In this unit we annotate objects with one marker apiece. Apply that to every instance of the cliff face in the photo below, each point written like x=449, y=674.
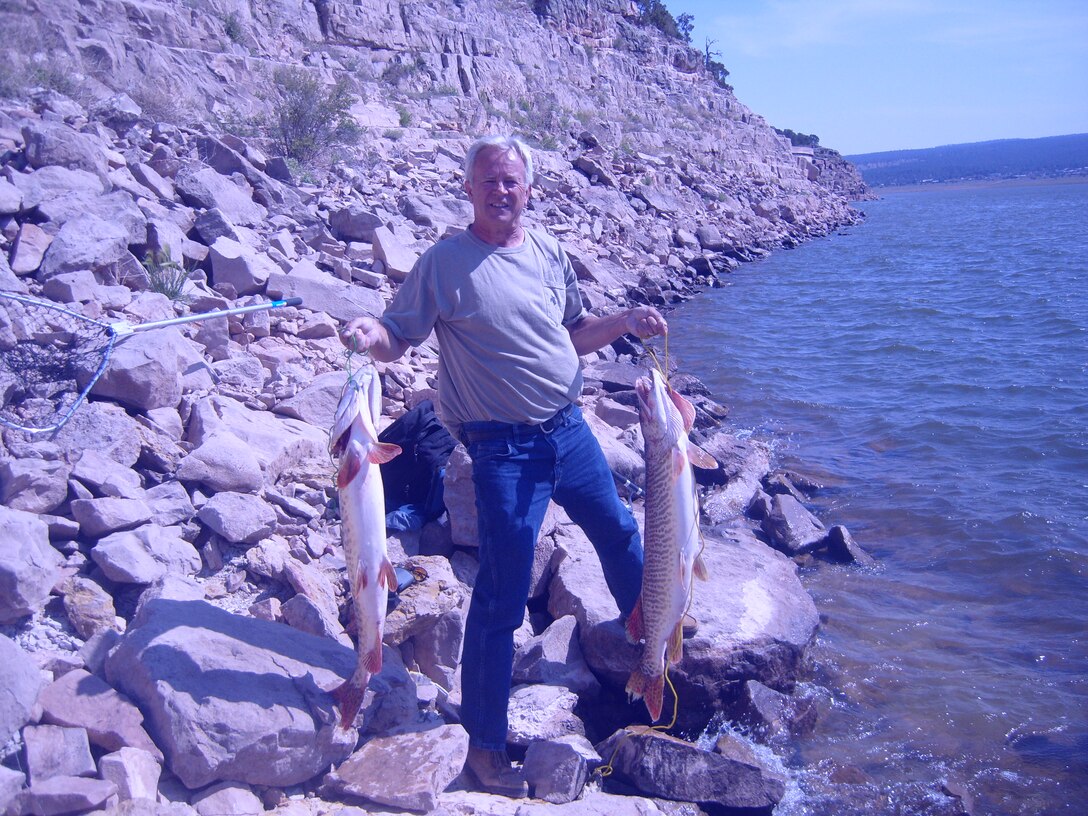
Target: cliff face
x=552, y=70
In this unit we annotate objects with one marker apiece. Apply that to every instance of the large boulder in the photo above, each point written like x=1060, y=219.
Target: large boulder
x=21, y=682
x=204, y=187
x=755, y=621
x=50, y=143
x=144, y=371
x=29, y=566
x=231, y=698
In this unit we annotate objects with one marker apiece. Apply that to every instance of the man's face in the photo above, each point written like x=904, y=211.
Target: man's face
x=497, y=189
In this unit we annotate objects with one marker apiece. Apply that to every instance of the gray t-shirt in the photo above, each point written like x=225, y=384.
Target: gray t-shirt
x=500, y=315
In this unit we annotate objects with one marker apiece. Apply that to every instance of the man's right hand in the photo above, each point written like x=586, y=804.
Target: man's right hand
x=361, y=333
x=367, y=334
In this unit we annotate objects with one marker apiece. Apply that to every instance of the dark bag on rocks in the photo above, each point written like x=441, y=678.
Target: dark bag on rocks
x=415, y=477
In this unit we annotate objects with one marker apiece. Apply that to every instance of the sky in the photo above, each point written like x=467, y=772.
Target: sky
x=873, y=75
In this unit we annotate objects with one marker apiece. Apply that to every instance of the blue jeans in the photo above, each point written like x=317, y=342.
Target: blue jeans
x=516, y=470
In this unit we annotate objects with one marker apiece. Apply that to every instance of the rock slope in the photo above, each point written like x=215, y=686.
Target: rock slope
x=173, y=601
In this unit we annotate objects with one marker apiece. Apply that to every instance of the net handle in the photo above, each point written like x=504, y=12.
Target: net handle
x=124, y=329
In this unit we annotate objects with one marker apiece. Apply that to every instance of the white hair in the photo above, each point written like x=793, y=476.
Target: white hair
x=505, y=144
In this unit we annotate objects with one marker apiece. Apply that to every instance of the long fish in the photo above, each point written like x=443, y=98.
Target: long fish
x=671, y=541
x=353, y=441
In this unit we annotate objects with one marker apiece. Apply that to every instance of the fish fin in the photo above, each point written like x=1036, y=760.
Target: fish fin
x=686, y=409
x=699, y=570
x=676, y=644
x=634, y=624
x=349, y=697
x=350, y=465
x=650, y=689
x=364, y=577
x=387, y=576
x=700, y=458
x=374, y=658
x=382, y=452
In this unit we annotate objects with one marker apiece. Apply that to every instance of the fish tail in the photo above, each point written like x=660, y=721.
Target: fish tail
x=651, y=689
x=634, y=625
x=349, y=697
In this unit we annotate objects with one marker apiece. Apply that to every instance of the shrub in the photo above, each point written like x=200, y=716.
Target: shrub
x=309, y=118
x=165, y=275
x=232, y=26
x=405, y=116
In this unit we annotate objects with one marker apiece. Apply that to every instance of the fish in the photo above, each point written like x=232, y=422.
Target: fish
x=671, y=541
x=353, y=442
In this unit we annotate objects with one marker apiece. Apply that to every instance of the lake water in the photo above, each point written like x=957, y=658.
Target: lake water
x=930, y=367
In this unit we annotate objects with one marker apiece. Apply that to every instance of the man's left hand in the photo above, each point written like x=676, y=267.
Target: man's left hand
x=645, y=321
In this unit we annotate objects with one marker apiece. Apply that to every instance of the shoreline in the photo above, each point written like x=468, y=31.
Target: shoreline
x=978, y=184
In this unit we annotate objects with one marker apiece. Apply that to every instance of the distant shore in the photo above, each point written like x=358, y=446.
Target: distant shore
x=975, y=184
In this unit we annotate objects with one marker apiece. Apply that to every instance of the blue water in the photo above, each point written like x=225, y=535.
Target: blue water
x=930, y=367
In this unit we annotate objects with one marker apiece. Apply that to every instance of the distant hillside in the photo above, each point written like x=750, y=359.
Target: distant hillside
x=1049, y=157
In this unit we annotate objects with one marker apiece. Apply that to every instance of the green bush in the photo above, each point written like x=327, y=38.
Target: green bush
x=232, y=27
x=165, y=275
x=309, y=118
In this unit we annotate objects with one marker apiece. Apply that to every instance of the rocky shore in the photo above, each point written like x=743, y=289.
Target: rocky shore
x=173, y=607
x=174, y=601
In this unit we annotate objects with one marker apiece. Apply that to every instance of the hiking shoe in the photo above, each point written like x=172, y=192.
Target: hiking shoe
x=492, y=772
x=688, y=626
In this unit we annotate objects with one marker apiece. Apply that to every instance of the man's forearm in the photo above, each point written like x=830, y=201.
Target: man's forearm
x=592, y=332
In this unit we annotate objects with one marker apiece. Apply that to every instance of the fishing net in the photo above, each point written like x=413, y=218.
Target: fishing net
x=50, y=359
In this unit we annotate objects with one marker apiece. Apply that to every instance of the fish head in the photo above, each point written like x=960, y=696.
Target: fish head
x=352, y=402
x=658, y=413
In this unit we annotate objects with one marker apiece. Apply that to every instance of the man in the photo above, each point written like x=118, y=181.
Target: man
x=504, y=303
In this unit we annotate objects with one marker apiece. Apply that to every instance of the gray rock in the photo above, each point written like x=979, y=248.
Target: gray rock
x=239, y=266
x=557, y=770
x=773, y=716
x=53, y=750
x=65, y=794
x=239, y=517
x=11, y=198
x=106, y=476
x=29, y=249
x=791, y=528
x=555, y=658
x=223, y=462
x=440, y=211
x=144, y=555
x=33, y=485
x=48, y=143
x=144, y=371
x=29, y=566
x=88, y=606
x=710, y=237
x=541, y=713
x=322, y=292
x=208, y=189
x=169, y=503
x=135, y=773
x=233, y=698
x=315, y=404
x=88, y=242
x=841, y=546
x=115, y=208
x=82, y=700
x=119, y=112
x=146, y=175
x=425, y=762
x=21, y=681
x=11, y=782
x=99, y=517
x=354, y=223
x=71, y=287
x=279, y=444
x=659, y=765
x=227, y=799
x=398, y=259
